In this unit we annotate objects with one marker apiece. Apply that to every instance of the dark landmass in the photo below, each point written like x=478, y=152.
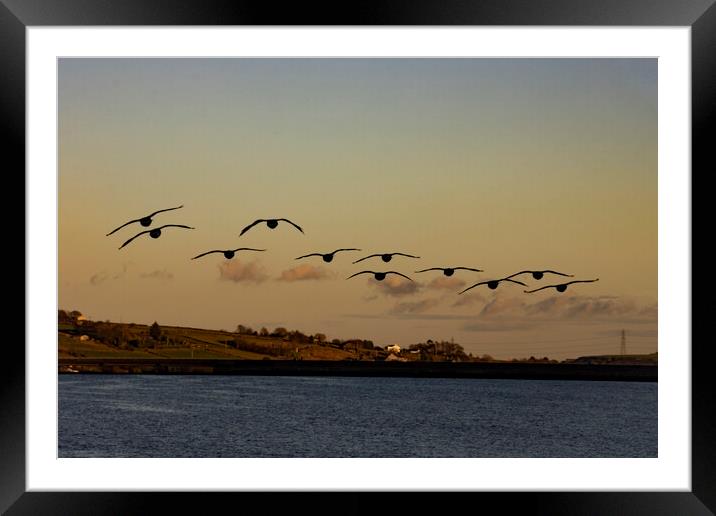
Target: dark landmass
x=108, y=347
x=534, y=371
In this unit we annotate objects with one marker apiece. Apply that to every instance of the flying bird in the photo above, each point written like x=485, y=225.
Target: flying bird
x=144, y=221
x=327, y=257
x=271, y=223
x=386, y=257
x=492, y=284
x=562, y=286
x=538, y=274
x=228, y=254
x=380, y=276
x=155, y=233
x=449, y=271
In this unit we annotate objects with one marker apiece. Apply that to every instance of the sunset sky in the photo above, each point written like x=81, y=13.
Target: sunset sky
x=497, y=164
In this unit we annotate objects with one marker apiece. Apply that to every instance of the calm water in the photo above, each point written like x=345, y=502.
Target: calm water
x=263, y=416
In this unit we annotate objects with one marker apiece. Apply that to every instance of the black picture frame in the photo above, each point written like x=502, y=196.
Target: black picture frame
x=700, y=15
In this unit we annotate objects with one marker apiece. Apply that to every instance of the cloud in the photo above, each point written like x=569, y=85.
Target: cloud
x=567, y=307
x=469, y=299
x=99, y=278
x=416, y=307
x=574, y=307
x=158, y=274
x=103, y=275
x=235, y=270
x=500, y=305
x=304, y=272
x=444, y=283
x=395, y=286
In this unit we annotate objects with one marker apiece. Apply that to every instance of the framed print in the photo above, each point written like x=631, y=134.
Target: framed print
x=376, y=138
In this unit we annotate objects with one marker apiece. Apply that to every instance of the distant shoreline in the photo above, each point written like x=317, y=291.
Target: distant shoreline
x=497, y=370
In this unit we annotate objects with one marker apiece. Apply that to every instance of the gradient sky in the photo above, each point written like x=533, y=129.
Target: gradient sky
x=497, y=164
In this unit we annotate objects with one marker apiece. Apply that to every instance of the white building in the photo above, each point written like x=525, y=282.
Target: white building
x=393, y=349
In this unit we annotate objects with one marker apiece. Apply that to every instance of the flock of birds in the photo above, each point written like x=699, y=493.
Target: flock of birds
x=328, y=257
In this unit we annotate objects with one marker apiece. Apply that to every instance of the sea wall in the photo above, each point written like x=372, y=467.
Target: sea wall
x=643, y=373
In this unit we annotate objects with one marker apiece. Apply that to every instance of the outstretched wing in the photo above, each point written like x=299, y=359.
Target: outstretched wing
x=513, y=281
x=174, y=226
x=348, y=249
x=247, y=249
x=582, y=281
x=166, y=209
x=251, y=225
x=135, y=236
x=403, y=275
x=208, y=252
x=125, y=224
x=294, y=225
x=467, y=269
x=475, y=285
x=560, y=273
x=518, y=273
x=371, y=256
x=307, y=255
x=541, y=288
x=403, y=254
x=361, y=272
x=431, y=269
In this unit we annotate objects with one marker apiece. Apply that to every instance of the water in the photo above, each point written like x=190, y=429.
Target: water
x=265, y=416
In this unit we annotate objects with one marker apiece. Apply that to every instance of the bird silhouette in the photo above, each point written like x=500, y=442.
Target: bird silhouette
x=380, y=276
x=271, y=223
x=449, y=271
x=562, y=286
x=386, y=257
x=156, y=232
x=144, y=221
x=327, y=257
x=492, y=284
x=229, y=253
x=539, y=274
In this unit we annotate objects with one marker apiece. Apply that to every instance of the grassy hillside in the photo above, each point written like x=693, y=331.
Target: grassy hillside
x=94, y=340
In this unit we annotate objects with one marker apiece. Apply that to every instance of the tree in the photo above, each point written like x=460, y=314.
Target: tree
x=264, y=332
x=244, y=330
x=155, y=331
x=320, y=338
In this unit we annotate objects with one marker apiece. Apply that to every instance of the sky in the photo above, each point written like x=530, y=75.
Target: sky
x=501, y=165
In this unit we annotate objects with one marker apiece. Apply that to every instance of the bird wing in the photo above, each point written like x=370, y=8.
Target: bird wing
x=294, y=225
x=475, y=285
x=251, y=225
x=135, y=236
x=347, y=249
x=399, y=274
x=518, y=273
x=513, y=281
x=467, y=269
x=559, y=273
x=582, y=281
x=166, y=209
x=174, y=226
x=125, y=224
x=208, y=252
x=361, y=272
x=371, y=256
x=307, y=255
x=432, y=269
x=541, y=288
x=246, y=249
x=403, y=254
